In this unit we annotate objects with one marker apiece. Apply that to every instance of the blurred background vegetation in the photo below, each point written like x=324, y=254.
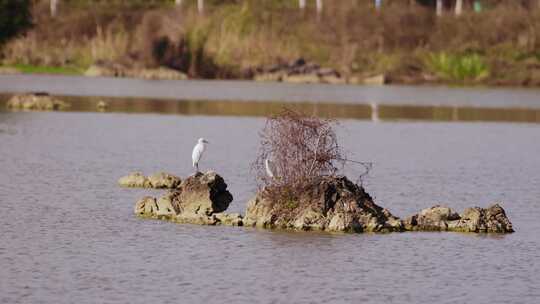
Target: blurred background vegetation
x=405, y=40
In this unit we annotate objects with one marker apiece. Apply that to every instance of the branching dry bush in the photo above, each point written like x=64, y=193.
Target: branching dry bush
x=300, y=150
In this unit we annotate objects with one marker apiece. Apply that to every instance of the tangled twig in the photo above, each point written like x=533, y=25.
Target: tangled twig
x=302, y=150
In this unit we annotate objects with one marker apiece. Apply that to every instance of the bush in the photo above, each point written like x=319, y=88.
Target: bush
x=15, y=18
x=299, y=150
x=460, y=68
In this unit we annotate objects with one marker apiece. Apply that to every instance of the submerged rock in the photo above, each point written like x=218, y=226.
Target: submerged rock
x=199, y=199
x=38, y=101
x=159, y=180
x=333, y=204
x=439, y=218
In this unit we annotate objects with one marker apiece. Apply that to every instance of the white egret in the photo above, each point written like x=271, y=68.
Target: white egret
x=269, y=168
x=198, y=151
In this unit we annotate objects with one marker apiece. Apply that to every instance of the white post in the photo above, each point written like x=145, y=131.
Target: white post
x=319, y=6
x=302, y=4
x=374, y=112
x=54, y=7
x=459, y=7
x=439, y=7
x=200, y=6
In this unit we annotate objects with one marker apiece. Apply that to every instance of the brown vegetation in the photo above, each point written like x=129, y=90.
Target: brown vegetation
x=298, y=151
x=230, y=39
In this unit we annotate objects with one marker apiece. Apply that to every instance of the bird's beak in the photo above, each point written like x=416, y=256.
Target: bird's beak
x=205, y=141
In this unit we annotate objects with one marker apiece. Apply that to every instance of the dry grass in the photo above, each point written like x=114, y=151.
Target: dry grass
x=232, y=37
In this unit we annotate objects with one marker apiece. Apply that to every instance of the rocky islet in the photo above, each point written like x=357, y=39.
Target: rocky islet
x=334, y=204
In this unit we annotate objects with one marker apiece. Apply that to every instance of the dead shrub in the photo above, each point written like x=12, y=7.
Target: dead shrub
x=299, y=151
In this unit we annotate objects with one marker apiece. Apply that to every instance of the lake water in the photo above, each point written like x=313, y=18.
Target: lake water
x=68, y=233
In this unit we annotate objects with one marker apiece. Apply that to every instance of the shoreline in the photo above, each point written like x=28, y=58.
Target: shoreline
x=252, y=91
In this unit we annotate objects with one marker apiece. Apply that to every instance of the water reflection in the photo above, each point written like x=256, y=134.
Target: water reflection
x=370, y=111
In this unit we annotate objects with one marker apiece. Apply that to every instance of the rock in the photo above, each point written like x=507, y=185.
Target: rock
x=277, y=76
x=110, y=69
x=332, y=79
x=165, y=207
x=229, y=219
x=333, y=204
x=102, y=106
x=310, y=219
x=259, y=213
x=298, y=71
x=159, y=180
x=160, y=73
x=164, y=180
x=492, y=219
x=302, y=78
x=196, y=219
x=9, y=71
x=434, y=218
x=146, y=206
x=100, y=71
x=37, y=101
x=375, y=80
x=134, y=180
x=202, y=194
x=199, y=199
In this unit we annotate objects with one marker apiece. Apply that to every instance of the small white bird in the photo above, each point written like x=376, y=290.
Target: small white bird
x=198, y=151
x=269, y=168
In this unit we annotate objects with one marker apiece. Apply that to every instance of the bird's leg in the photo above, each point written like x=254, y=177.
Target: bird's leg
x=197, y=168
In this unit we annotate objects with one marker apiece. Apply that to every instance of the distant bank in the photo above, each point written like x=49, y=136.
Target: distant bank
x=231, y=90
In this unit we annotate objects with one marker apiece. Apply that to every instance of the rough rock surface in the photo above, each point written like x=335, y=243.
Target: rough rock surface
x=164, y=180
x=38, y=101
x=439, y=218
x=370, y=80
x=336, y=204
x=159, y=180
x=298, y=71
x=102, y=106
x=333, y=204
x=108, y=69
x=134, y=180
x=200, y=199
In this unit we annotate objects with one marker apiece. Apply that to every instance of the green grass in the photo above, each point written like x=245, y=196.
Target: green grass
x=457, y=68
x=31, y=69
